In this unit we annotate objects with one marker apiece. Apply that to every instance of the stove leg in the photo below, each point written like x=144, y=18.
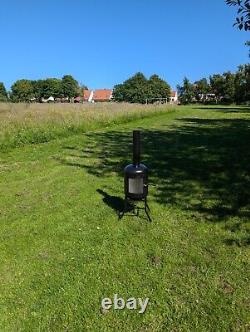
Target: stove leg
x=147, y=209
x=135, y=209
x=146, y=204
x=149, y=218
x=137, y=213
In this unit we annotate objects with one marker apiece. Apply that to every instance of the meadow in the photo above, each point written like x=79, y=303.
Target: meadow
x=22, y=123
x=63, y=249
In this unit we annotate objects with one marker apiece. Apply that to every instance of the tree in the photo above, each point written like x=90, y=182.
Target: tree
x=243, y=18
x=133, y=90
x=200, y=89
x=38, y=89
x=22, y=90
x=50, y=87
x=242, y=84
x=83, y=87
x=186, y=92
x=157, y=88
x=138, y=89
x=3, y=93
x=223, y=86
x=70, y=87
x=248, y=44
x=119, y=93
x=217, y=86
x=229, y=88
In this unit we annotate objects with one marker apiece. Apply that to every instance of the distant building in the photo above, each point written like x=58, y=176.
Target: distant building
x=173, y=97
x=102, y=95
x=88, y=95
x=99, y=95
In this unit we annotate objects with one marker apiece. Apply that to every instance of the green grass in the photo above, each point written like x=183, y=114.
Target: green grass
x=62, y=248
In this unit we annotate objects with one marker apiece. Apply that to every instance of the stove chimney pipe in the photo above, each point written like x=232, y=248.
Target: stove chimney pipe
x=136, y=147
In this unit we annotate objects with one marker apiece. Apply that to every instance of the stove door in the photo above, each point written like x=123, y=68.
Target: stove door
x=135, y=185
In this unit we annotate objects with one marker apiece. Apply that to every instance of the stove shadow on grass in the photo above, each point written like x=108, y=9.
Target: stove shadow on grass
x=116, y=203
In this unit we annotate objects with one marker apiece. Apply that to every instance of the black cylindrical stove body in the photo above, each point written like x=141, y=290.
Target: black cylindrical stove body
x=136, y=181
x=136, y=174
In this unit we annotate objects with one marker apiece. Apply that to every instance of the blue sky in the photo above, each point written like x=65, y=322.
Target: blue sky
x=103, y=42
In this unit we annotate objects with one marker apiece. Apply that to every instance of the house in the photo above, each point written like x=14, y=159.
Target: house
x=88, y=95
x=173, y=97
x=99, y=95
x=102, y=95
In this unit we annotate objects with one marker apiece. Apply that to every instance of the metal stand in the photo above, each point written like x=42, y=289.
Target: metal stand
x=128, y=207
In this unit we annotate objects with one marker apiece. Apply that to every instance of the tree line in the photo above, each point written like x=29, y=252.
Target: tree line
x=219, y=88
x=35, y=90
x=137, y=89
x=226, y=88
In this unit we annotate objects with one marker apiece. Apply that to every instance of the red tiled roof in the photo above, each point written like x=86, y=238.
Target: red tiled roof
x=86, y=94
x=102, y=94
x=173, y=93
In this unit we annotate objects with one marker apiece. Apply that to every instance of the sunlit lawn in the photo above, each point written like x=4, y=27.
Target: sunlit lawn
x=63, y=248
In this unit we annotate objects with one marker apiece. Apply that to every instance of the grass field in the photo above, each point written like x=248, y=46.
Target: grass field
x=63, y=248
x=22, y=124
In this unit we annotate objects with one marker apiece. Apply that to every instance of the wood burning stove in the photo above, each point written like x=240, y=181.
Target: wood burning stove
x=136, y=180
